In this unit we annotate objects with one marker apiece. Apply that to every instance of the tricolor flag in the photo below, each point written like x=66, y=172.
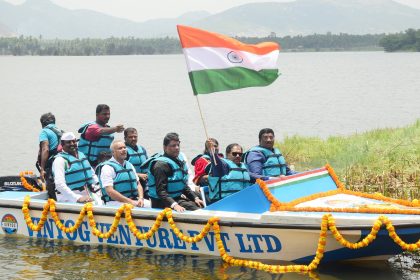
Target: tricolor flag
x=216, y=62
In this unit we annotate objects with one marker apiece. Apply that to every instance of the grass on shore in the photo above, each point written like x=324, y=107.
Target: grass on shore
x=382, y=160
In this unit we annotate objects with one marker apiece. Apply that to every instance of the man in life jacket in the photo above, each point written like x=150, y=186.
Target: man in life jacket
x=227, y=175
x=118, y=179
x=74, y=178
x=97, y=136
x=265, y=161
x=168, y=179
x=136, y=154
x=49, y=146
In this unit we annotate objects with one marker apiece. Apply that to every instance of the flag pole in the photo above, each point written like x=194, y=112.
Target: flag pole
x=205, y=128
x=202, y=118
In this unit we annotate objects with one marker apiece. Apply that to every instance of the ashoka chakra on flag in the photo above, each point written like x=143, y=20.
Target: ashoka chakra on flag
x=217, y=63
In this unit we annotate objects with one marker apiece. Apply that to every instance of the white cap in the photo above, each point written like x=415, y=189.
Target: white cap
x=68, y=136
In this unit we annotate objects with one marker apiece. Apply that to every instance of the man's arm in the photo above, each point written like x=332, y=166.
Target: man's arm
x=45, y=152
x=219, y=168
x=290, y=171
x=109, y=130
x=60, y=181
x=255, y=162
x=162, y=171
x=94, y=131
x=140, y=198
x=107, y=179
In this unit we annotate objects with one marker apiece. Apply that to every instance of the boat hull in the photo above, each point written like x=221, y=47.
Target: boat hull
x=247, y=236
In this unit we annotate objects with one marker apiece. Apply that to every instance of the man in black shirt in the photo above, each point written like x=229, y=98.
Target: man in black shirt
x=168, y=179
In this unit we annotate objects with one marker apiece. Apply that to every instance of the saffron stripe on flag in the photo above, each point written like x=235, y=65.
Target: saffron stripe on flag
x=192, y=38
x=207, y=81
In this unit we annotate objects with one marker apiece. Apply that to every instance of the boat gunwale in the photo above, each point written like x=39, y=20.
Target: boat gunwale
x=203, y=220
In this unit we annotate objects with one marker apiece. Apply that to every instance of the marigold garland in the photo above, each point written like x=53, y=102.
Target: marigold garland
x=25, y=183
x=276, y=205
x=328, y=223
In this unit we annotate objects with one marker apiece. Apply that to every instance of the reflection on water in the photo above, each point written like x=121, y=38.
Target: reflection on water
x=24, y=258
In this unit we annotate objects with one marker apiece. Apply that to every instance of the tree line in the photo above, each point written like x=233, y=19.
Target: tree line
x=403, y=41
x=87, y=47
x=135, y=46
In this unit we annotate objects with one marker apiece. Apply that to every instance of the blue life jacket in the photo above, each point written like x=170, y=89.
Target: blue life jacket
x=124, y=182
x=235, y=180
x=274, y=165
x=137, y=158
x=79, y=172
x=92, y=148
x=177, y=182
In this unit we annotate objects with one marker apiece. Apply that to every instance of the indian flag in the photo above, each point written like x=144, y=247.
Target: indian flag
x=216, y=62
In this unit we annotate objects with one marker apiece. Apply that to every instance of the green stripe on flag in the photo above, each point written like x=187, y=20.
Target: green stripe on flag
x=207, y=81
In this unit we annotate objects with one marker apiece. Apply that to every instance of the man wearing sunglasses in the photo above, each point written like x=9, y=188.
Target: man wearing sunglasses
x=168, y=178
x=74, y=178
x=227, y=175
x=265, y=161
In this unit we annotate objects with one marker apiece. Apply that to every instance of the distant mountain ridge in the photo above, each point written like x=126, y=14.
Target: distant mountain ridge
x=42, y=17
x=5, y=31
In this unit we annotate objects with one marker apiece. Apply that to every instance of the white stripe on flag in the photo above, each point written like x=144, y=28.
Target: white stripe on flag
x=220, y=58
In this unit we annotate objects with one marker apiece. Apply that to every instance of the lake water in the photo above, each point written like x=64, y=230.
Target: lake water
x=318, y=94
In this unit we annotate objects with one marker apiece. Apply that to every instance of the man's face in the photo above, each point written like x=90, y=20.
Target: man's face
x=70, y=146
x=131, y=139
x=267, y=140
x=235, y=154
x=103, y=117
x=120, y=151
x=173, y=148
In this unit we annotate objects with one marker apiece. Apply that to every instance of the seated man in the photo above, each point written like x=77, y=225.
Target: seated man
x=228, y=175
x=136, y=154
x=118, y=179
x=264, y=161
x=74, y=178
x=168, y=179
x=201, y=164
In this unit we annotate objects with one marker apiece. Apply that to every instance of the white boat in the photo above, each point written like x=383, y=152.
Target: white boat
x=298, y=229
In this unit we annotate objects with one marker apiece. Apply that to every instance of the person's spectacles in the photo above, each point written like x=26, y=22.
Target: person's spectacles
x=236, y=154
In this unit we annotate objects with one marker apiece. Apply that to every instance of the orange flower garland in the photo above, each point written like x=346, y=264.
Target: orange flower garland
x=328, y=223
x=25, y=183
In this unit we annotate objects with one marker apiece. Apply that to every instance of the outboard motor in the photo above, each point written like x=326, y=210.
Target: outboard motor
x=13, y=183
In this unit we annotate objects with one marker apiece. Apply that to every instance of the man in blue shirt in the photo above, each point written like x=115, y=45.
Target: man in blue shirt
x=49, y=139
x=265, y=161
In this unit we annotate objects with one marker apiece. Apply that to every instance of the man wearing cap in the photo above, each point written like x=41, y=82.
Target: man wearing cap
x=97, y=136
x=119, y=180
x=74, y=178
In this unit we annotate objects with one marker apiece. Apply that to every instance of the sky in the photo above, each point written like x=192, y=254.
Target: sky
x=138, y=10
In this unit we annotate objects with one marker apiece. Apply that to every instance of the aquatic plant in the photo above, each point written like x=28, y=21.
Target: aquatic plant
x=386, y=160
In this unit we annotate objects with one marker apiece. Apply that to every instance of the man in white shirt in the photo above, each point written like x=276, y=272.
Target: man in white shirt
x=119, y=180
x=74, y=178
